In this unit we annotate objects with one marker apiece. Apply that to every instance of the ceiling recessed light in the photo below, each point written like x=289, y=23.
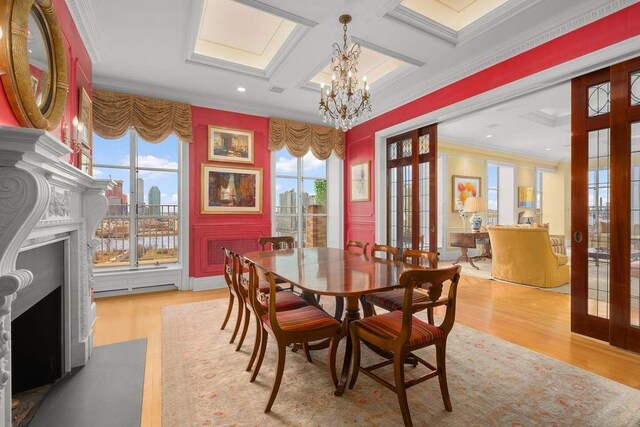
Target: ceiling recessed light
x=241, y=89
x=547, y=149
x=489, y=136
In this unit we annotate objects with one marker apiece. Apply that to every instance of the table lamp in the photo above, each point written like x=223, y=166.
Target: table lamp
x=527, y=215
x=475, y=205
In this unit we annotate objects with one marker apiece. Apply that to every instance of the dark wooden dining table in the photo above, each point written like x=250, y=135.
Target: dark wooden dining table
x=333, y=272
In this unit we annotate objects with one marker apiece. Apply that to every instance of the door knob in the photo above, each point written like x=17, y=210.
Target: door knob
x=577, y=236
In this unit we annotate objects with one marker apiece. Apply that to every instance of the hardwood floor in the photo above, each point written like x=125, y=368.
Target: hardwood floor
x=532, y=318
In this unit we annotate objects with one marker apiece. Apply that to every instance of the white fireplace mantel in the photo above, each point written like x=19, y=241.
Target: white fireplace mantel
x=42, y=195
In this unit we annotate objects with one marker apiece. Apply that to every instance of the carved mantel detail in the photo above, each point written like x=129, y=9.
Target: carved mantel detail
x=42, y=195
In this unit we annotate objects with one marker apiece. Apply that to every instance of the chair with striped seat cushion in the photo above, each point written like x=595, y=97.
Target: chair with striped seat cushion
x=286, y=301
x=389, y=326
x=400, y=333
x=301, y=325
x=392, y=300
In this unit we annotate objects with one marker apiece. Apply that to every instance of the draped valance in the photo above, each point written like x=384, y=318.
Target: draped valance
x=299, y=138
x=154, y=119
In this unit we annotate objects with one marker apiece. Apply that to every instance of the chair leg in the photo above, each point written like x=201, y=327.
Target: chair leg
x=244, y=328
x=442, y=375
x=229, y=310
x=256, y=343
x=264, y=337
x=305, y=346
x=282, y=353
x=367, y=308
x=238, y=321
x=339, y=309
x=355, y=342
x=333, y=350
x=398, y=370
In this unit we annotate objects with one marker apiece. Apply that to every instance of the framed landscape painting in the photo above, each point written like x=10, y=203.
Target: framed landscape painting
x=230, y=145
x=360, y=182
x=525, y=197
x=227, y=190
x=463, y=187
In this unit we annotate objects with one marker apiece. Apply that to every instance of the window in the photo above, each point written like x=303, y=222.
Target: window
x=301, y=198
x=493, y=194
x=142, y=222
x=538, y=191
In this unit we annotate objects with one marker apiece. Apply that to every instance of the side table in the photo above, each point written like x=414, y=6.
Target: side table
x=469, y=240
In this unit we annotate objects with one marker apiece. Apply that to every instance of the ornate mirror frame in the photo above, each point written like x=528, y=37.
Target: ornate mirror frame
x=14, y=61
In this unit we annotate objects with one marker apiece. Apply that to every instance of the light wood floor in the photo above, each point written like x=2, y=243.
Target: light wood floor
x=533, y=318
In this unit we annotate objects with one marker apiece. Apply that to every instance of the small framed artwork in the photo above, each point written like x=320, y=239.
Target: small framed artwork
x=463, y=187
x=85, y=114
x=227, y=190
x=230, y=145
x=525, y=197
x=360, y=182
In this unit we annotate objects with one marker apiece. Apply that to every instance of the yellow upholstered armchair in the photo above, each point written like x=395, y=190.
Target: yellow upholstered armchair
x=524, y=255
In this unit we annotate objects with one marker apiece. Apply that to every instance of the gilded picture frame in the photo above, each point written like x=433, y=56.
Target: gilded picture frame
x=230, y=145
x=230, y=190
x=360, y=180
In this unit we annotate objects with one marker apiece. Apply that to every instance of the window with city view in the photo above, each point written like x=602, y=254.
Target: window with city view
x=301, y=198
x=142, y=222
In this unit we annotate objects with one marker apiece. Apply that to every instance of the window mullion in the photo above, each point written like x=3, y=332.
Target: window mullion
x=299, y=204
x=133, y=202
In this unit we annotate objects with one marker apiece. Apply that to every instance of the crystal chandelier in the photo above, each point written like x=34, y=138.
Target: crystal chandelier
x=343, y=104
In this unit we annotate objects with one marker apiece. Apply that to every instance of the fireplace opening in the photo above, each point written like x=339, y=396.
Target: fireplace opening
x=37, y=337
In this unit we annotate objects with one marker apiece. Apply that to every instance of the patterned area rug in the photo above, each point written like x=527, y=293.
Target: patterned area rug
x=491, y=382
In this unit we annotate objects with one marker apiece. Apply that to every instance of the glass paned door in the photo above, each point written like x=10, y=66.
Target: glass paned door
x=605, y=217
x=412, y=190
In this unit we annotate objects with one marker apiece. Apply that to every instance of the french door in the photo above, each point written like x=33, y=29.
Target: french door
x=412, y=191
x=605, y=155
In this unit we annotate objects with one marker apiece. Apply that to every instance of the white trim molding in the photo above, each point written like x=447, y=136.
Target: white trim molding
x=83, y=16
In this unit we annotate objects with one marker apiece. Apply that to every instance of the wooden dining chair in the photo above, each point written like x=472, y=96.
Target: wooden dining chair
x=389, y=252
x=392, y=300
x=356, y=246
x=286, y=301
x=301, y=325
x=230, y=280
x=276, y=242
x=401, y=333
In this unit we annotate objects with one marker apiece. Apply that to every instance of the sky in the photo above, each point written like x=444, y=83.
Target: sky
x=163, y=155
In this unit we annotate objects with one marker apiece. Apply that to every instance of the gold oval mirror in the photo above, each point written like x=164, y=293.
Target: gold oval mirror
x=34, y=61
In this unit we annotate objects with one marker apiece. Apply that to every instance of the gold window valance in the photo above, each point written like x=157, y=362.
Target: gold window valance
x=299, y=138
x=154, y=119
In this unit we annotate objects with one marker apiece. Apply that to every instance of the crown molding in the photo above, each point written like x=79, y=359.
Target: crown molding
x=84, y=18
x=200, y=100
x=387, y=52
x=542, y=35
x=278, y=12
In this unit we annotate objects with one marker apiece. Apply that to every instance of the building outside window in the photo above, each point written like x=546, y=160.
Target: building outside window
x=142, y=222
x=493, y=193
x=301, y=198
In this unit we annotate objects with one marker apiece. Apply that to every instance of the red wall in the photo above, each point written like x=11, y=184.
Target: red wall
x=79, y=70
x=359, y=220
x=207, y=232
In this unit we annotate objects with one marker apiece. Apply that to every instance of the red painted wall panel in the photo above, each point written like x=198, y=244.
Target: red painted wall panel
x=243, y=230
x=77, y=58
x=605, y=32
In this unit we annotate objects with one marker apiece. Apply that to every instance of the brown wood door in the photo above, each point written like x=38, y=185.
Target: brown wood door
x=605, y=192
x=412, y=196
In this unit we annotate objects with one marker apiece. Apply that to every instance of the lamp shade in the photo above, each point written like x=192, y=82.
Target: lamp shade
x=528, y=213
x=474, y=205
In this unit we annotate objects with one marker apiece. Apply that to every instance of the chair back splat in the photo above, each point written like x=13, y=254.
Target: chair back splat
x=276, y=242
x=357, y=246
x=388, y=252
x=421, y=258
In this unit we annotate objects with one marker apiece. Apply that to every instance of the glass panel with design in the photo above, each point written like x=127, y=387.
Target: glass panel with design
x=635, y=226
x=599, y=101
x=424, y=206
x=635, y=88
x=598, y=225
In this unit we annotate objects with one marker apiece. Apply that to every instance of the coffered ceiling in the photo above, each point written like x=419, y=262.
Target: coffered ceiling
x=201, y=51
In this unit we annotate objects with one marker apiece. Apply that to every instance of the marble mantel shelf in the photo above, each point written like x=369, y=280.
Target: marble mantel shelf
x=41, y=195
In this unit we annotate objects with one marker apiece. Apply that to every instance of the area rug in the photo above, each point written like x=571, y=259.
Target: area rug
x=491, y=382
